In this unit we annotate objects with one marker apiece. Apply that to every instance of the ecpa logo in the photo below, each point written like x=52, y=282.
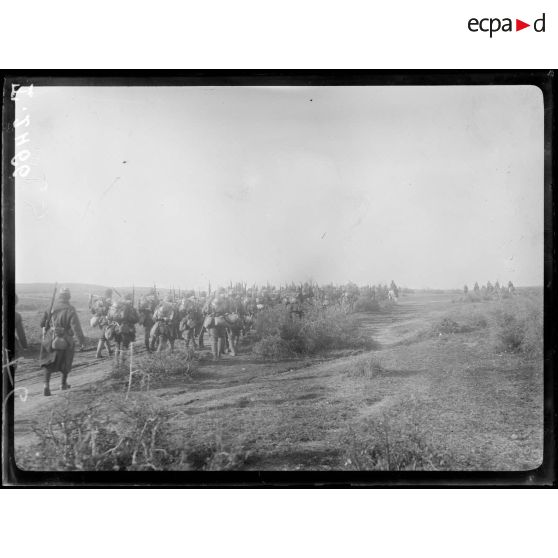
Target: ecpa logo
x=494, y=24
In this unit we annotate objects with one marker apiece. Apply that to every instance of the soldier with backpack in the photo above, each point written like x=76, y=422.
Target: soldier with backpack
x=63, y=324
x=146, y=308
x=100, y=307
x=215, y=324
x=123, y=318
x=191, y=320
x=162, y=330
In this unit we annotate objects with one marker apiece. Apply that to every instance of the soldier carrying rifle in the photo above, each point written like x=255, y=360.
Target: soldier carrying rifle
x=60, y=324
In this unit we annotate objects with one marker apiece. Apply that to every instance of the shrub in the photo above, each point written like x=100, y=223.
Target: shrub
x=153, y=369
x=519, y=326
x=394, y=442
x=89, y=440
x=216, y=453
x=447, y=325
x=366, y=304
x=460, y=321
x=178, y=363
x=367, y=366
x=280, y=334
x=274, y=347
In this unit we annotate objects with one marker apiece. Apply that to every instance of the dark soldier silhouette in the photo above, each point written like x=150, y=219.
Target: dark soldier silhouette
x=62, y=324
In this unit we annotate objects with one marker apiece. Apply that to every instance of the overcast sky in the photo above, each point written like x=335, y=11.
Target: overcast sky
x=429, y=186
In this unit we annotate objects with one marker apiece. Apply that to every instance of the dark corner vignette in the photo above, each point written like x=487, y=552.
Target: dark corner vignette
x=214, y=460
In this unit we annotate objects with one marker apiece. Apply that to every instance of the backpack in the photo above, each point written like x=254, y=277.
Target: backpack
x=99, y=307
x=117, y=311
x=164, y=311
x=59, y=332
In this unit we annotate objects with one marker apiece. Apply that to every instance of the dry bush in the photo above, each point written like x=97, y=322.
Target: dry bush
x=273, y=347
x=216, y=453
x=133, y=436
x=279, y=334
x=151, y=370
x=519, y=325
x=127, y=435
x=367, y=366
x=180, y=362
x=395, y=441
x=366, y=304
x=463, y=320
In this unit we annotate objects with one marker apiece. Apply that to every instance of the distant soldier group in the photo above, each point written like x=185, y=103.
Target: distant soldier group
x=490, y=290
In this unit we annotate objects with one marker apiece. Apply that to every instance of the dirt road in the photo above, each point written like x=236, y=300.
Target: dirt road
x=300, y=414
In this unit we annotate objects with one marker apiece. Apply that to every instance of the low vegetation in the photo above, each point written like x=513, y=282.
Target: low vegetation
x=133, y=436
x=126, y=435
x=519, y=326
x=365, y=366
x=395, y=441
x=180, y=363
x=366, y=304
x=222, y=451
x=151, y=370
x=464, y=321
x=463, y=391
x=280, y=334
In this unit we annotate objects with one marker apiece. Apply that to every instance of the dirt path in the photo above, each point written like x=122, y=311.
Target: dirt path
x=387, y=328
x=296, y=414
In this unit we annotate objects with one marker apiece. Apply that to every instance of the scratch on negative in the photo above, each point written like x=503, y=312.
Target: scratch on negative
x=105, y=192
x=86, y=209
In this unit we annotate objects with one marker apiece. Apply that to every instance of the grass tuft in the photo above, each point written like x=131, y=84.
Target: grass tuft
x=519, y=326
x=395, y=441
x=367, y=366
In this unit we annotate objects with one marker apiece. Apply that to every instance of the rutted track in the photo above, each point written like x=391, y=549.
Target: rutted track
x=295, y=414
x=385, y=327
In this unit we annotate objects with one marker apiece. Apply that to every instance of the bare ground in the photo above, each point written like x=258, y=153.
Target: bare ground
x=482, y=409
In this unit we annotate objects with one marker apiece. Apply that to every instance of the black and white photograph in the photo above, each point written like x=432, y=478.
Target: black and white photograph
x=285, y=277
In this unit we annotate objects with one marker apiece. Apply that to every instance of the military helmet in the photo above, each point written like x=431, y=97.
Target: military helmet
x=65, y=293
x=128, y=296
x=168, y=298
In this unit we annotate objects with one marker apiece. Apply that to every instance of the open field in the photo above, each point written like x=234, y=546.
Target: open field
x=440, y=390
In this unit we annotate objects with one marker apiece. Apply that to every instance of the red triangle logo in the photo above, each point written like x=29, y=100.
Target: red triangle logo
x=519, y=25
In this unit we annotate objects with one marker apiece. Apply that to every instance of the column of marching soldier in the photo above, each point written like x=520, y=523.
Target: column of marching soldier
x=224, y=316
